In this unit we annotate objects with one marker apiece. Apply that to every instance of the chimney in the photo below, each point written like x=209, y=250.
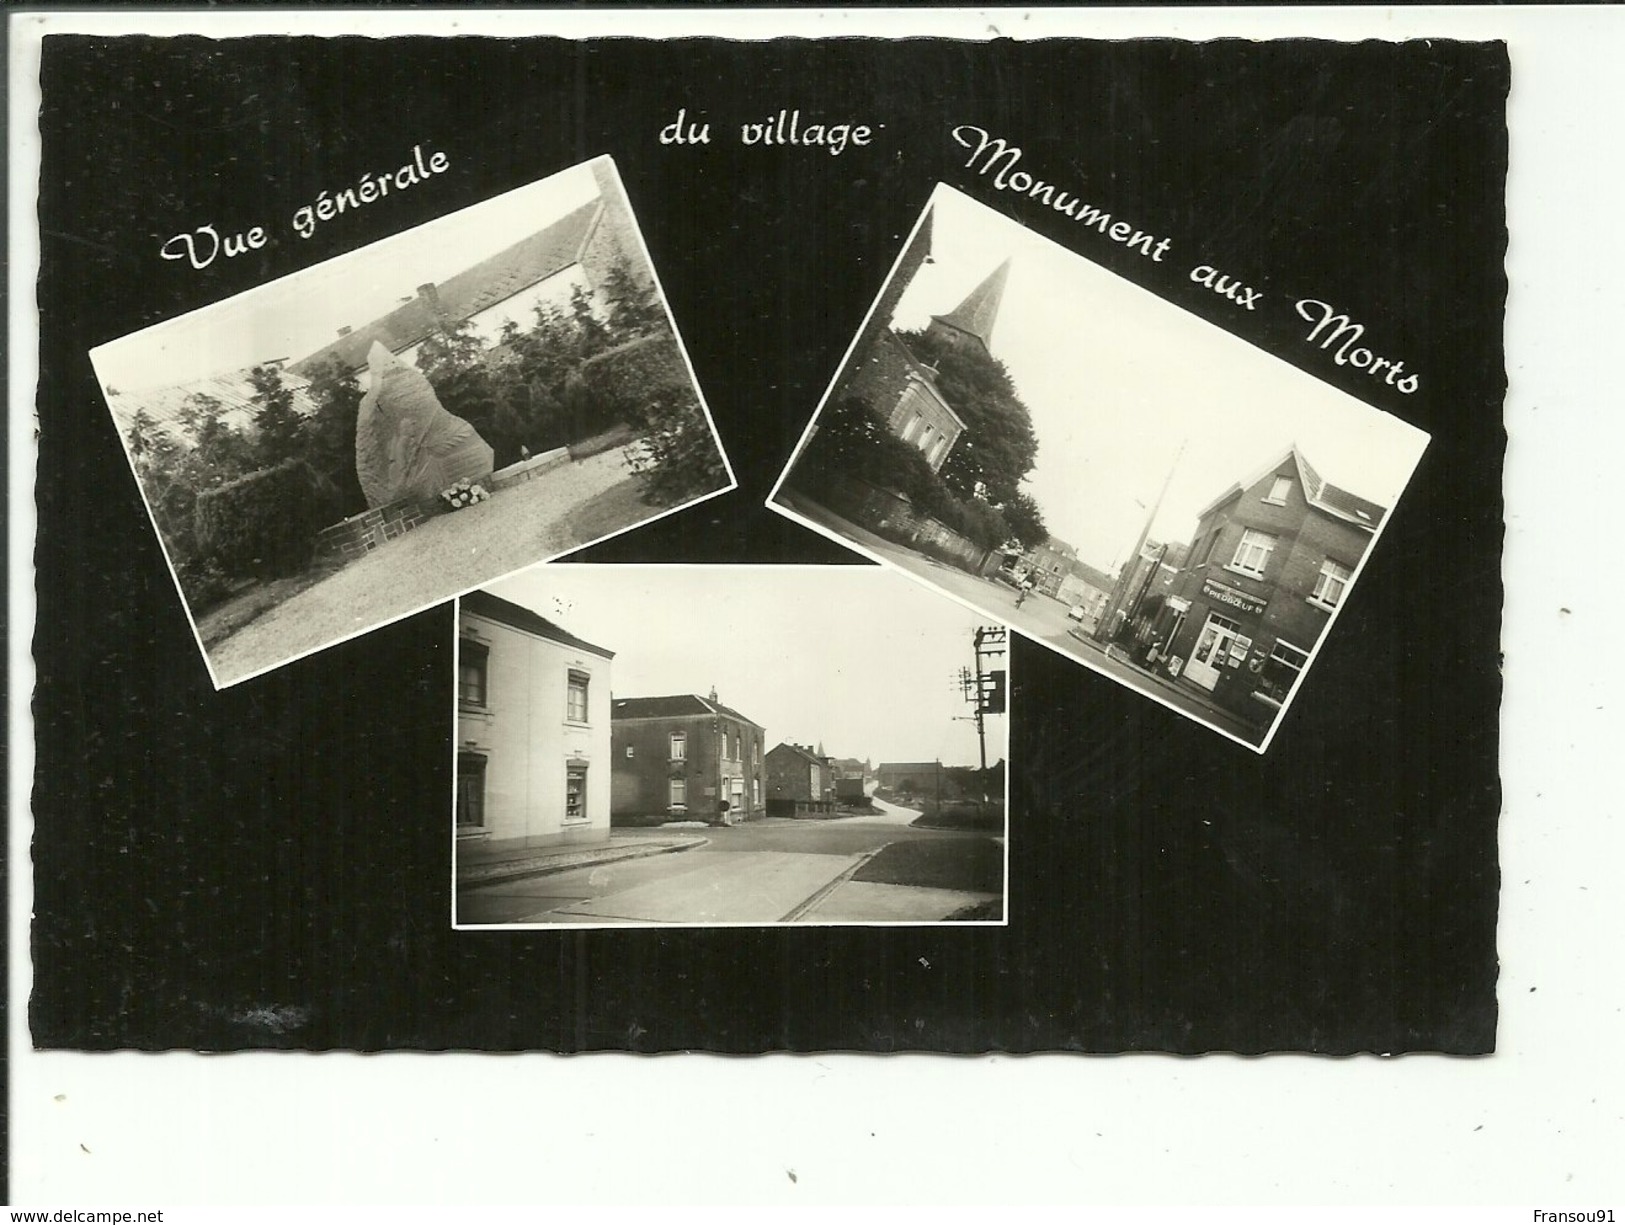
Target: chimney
x=713, y=693
x=430, y=297
x=345, y=330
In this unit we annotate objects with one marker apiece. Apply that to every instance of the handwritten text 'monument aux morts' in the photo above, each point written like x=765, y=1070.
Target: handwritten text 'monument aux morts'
x=199, y=247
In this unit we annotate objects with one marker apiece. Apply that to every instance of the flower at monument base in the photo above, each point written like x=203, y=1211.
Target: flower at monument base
x=464, y=493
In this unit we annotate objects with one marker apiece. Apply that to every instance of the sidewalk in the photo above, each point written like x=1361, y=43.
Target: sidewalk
x=487, y=865
x=1180, y=693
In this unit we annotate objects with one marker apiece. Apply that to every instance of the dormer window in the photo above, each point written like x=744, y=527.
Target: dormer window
x=1279, y=488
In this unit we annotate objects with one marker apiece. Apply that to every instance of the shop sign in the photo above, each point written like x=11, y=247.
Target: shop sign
x=1233, y=597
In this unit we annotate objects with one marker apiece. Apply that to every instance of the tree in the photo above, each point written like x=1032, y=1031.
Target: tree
x=1026, y=520
x=678, y=453
x=998, y=447
x=452, y=358
x=336, y=394
x=633, y=307
x=279, y=426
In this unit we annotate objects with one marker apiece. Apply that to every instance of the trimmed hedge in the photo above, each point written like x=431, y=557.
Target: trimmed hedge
x=264, y=523
x=623, y=380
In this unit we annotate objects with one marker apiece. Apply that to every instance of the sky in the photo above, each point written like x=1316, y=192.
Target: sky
x=295, y=316
x=1119, y=380
x=856, y=657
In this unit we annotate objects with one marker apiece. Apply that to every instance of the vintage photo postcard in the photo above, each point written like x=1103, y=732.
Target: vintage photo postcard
x=1113, y=477
x=351, y=444
x=708, y=746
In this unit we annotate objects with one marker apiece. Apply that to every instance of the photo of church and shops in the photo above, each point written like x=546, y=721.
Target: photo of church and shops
x=1108, y=474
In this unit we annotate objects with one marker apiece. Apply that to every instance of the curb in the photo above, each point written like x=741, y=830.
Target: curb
x=520, y=869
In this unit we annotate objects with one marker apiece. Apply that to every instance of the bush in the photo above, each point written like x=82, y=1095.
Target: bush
x=852, y=440
x=619, y=382
x=679, y=454
x=203, y=583
x=264, y=523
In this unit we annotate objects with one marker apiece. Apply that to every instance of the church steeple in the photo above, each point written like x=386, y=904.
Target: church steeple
x=973, y=319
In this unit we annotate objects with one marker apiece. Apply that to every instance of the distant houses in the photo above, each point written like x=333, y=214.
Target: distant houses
x=910, y=777
x=547, y=755
x=533, y=728
x=685, y=757
x=799, y=781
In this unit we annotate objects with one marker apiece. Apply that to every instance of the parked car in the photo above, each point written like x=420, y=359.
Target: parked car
x=1076, y=613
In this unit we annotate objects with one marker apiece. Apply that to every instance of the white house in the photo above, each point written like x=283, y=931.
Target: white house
x=533, y=728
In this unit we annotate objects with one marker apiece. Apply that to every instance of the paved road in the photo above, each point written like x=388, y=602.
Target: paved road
x=517, y=527
x=890, y=814
x=1040, y=618
x=846, y=870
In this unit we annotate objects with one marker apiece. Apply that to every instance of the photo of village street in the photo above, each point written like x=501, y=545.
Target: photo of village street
x=709, y=746
x=355, y=442
x=1107, y=474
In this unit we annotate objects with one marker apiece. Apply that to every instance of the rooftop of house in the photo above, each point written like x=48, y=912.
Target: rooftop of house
x=799, y=750
x=1319, y=492
x=484, y=604
x=673, y=706
x=493, y=280
x=1095, y=578
x=233, y=389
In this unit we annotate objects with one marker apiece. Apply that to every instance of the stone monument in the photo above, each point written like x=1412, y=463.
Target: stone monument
x=406, y=444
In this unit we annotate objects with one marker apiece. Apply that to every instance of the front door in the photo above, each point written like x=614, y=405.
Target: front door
x=1212, y=648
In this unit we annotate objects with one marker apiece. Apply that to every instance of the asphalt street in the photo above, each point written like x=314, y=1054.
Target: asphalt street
x=864, y=869
x=1040, y=618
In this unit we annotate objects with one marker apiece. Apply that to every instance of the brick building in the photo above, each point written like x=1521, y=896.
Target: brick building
x=1085, y=587
x=799, y=780
x=1049, y=564
x=533, y=728
x=1270, y=562
x=683, y=757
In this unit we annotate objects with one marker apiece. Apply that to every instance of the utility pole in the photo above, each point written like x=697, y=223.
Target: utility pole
x=985, y=687
x=1107, y=626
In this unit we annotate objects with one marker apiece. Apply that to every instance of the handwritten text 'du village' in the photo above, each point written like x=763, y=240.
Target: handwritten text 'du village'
x=787, y=127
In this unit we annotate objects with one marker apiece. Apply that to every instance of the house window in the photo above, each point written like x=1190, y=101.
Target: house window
x=1281, y=670
x=1330, y=585
x=472, y=664
x=678, y=795
x=575, y=793
x=1253, y=553
x=756, y=793
x=575, y=703
x=679, y=746
x=1278, y=491
x=470, y=790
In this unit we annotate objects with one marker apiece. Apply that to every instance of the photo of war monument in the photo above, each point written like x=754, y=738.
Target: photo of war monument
x=351, y=444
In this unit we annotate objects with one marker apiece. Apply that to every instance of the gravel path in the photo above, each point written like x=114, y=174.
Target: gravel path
x=518, y=527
